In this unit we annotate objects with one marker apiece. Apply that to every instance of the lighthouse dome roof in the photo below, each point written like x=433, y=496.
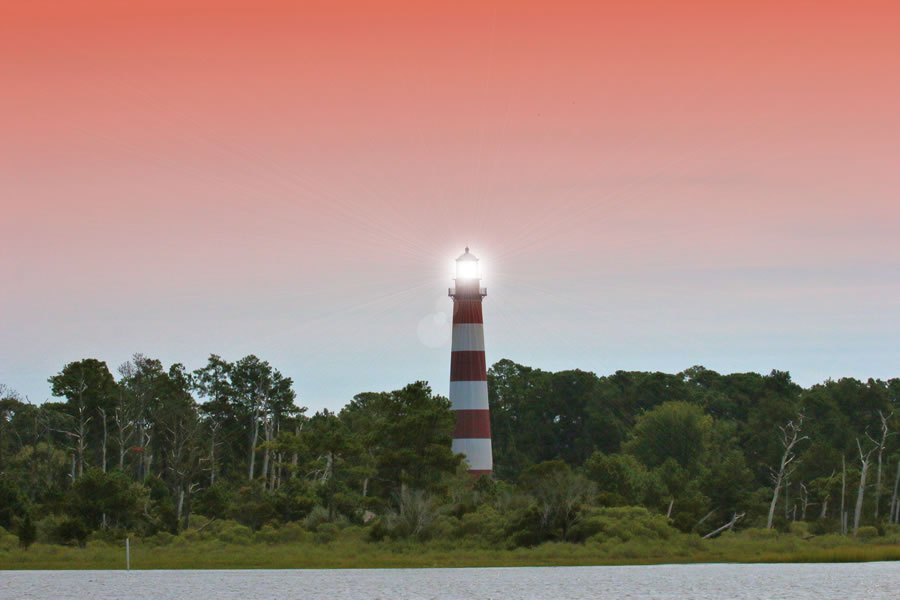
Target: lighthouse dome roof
x=466, y=255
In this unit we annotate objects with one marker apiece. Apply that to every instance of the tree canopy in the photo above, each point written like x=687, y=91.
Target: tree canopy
x=147, y=449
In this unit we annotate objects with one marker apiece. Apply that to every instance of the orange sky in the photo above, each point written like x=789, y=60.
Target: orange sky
x=651, y=185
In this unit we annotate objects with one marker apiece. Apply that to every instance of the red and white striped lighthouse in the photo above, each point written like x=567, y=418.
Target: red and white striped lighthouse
x=468, y=370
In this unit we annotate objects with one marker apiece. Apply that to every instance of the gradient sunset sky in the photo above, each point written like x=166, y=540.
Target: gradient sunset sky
x=650, y=186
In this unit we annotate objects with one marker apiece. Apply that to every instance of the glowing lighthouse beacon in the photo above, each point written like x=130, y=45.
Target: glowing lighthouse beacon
x=468, y=371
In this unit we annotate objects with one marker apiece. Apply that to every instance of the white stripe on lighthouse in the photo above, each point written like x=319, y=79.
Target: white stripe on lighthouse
x=468, y=395
x=477, y=451
x=468, y=337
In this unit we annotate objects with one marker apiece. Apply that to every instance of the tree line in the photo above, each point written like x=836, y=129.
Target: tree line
x=146, y=449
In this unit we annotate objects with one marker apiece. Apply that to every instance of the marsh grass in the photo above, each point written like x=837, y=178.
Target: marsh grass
x=349, y=548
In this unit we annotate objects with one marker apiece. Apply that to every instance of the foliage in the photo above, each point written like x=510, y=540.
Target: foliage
x=626, y=467
x=27, y=532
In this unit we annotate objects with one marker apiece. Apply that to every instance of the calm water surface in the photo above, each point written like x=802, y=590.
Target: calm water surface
x=794, y=581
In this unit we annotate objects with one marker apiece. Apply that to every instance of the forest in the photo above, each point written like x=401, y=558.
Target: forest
x=227, y=452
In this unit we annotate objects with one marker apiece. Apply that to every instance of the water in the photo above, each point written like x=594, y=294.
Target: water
x=871, y=581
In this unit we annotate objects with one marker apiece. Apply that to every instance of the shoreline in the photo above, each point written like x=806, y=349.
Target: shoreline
x=354, y=556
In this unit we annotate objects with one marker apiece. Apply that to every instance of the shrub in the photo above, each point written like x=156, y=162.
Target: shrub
x=109, y=535
x=267, y=534
x=485, y=525
x=891, y=534
x=781, y=524
x=162, y=538
x=524, y=528
x=417, y=511
x=288, y=533
x=236, y=534
x=624, y=523
x=316, y=517
x=611, y=499
x=292, y=533
x=824, y=526
x=198, y=521
x=377, y=530
x=800, y=528
x=7, y=540
x=326, y=533
x=27, y=532
x=202, y=528
x=867, y=532
x=72, y=531
x=446, y=527
x=47, y=529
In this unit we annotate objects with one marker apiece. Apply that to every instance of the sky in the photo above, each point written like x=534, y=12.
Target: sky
x=649, y=185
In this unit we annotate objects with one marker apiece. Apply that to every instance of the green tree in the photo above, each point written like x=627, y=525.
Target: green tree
x=145, y=386
x=675, y=430
x=621, y=478
x=263, y=397
x=331, y=447
x=213, y=382
x=12, y=503
x=416, y=429
x=100, y=499
x=90, y=391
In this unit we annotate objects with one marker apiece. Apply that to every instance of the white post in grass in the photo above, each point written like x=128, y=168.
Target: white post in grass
x=127, y=554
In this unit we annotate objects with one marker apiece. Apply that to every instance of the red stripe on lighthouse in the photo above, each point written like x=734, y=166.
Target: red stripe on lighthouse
x=467, y=311
x=468, y=365
x=472, y=424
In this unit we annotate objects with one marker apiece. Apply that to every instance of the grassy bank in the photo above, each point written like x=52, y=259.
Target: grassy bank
x=350, y=550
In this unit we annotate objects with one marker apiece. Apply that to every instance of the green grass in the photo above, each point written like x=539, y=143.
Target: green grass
x=350, y=551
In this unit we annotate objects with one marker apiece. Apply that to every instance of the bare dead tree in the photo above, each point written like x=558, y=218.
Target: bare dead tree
x=102, y=412
x=416, y=510
x=270, y=422
x=192, y=489
x=276, y=458
x=256, y=412
x=78, y=432
x=123, y=417
x=843, y=515
x=804, y=501
x=885, y=433
x=730, y=524
x=790, y=437
x=895, y=505
x=78, y=437
x=705, y=517
x=145, y=435
x=213, y=467
x=183, y=456
x=295, y=457
x=864, y=460
x=826, y=496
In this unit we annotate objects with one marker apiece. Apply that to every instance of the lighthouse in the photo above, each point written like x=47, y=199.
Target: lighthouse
x=468, y=370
